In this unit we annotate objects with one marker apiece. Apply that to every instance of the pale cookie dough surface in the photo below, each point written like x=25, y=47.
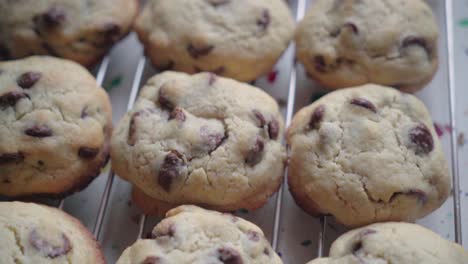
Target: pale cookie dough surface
x=55, y=124
x=367, y=154
x=37, y=234
x=79, y=30
x=395, y=243
x=240, y=39
x=201, y=139
x=345, y=43
x=191, y=235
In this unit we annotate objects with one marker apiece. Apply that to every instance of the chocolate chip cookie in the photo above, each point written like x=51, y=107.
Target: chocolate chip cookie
x=190, y=234
x=82, y=31
x=55, y=124
x=396, y=243
x=240, y=39
x=344, y=43
x=367, y=154
x=200, y=139
x=32, y=233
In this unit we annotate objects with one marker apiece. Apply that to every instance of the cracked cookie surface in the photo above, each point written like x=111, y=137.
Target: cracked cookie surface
x=82, y=31
x=55, y=124
x=32, y=233
x=193, y=235
x=201, y=139
x=396, y=243
x=344, y=43
x=240, y=39
x=367, y=154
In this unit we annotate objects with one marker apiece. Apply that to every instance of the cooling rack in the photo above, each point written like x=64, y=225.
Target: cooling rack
x=105, y=206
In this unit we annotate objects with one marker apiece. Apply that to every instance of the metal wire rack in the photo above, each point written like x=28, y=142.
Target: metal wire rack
x=299, y=13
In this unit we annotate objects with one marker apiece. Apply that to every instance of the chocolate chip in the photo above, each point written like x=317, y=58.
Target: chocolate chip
x=419, y=41
x=418, y=194
x=151, y=260
x=217, y=3
x=197, y=52
x=229, y=256
x=259, y=117
x=4, y=52
x=266, y=251
x=213, y=140
x=46, y=248
x=170, y=232
x=177, y=114
x=357, y=246
x=54, y=17
x=39, y=131
x=352, y=26
x=28, y=79
x=320, y=64
x=111, y=31
x=255, y=153
x=131, y=140
x=273, y=129
x=422, y=139
x=212, y=78
x=253, y=235
x=87, y=152
x=317, y=117
x=84, y=112
x=11, y=98
x=163, y=101
x=6, y=158
x=264, y=21
x=166, y=67
x=364, y=103
x=170, y=169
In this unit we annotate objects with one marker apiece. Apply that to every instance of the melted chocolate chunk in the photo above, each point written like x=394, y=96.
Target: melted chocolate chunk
x=28, y=79
x=131, y=140
x=88, y=153
x=163, y=101
x=46, y=248
x=54, y=17
x=264, y=21
x=259, y=117
x=7, y=158
x=364, y=103
x=253, y=236
x=213, y=140
x=177, y=114
x=357, y=246
x=212, y=78
x=320, y=64
x=273, y=129
x=217, y=3
x=416, y=193
x=39, y=131
x=84, y=112
x=170, y=169
x=11, y=98
x=151, y=260
x=197, y=52
x=255, y=154
x=229, y=256
x=423, y=143
x=317, y=117
x=418, y=41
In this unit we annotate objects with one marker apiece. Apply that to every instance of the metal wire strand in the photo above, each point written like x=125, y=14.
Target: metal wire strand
x=110, y=177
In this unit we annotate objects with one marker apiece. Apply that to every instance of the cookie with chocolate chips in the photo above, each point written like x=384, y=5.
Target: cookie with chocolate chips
x=200, y=139
x=82, y=31
x=239, y=39
x=344, y=43
x=367, y=154
x=190, y=234
x=55, y=124
x=397, y=243
x=32, y=233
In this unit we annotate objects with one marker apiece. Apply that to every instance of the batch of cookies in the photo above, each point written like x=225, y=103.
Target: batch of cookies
x=199, y=135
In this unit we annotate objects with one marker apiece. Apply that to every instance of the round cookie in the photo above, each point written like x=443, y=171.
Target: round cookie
x=396, y=243
x=78, y=30
x=32, y=233
x=240, y=39
x=344, y=43
x=367, y=154
x=193, y=235
x=55, y=126
x=203, y=140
